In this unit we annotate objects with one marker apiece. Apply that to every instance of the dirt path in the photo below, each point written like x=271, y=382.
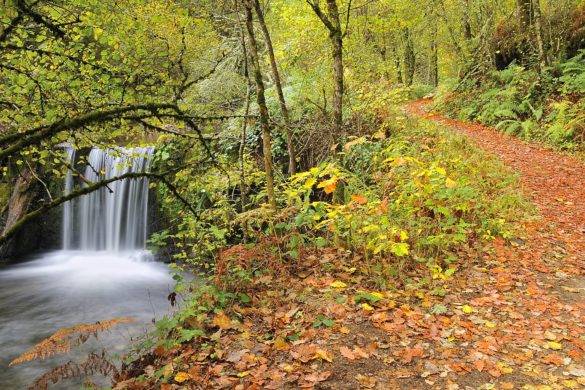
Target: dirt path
x=555, y=181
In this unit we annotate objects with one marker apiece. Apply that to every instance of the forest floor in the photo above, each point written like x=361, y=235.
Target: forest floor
x=513, y=317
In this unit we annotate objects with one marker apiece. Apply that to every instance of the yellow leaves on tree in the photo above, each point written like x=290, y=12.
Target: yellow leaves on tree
x=61, y=341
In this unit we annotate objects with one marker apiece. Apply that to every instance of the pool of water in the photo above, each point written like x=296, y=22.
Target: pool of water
x=64, y=288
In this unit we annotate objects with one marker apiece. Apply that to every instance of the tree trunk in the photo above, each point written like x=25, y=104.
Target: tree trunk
x=333, y=24
x=261, y=101
x=467, y=34
x=18, y=205
x=242, y=148
x=434, y=60
x=336, y=37
x=524, y=13
x=398, y=65
x=276, y=76
x=542, y=58
x=409, y=57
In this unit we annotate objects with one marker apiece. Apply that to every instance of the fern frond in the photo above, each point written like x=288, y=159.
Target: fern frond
x=95, y=364
x=61, y=341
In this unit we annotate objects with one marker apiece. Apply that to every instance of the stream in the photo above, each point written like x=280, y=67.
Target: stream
x=102, y=272
x=63, y=288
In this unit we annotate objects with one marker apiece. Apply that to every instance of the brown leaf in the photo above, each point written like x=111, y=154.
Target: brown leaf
x=236, y=356
x=303, y=352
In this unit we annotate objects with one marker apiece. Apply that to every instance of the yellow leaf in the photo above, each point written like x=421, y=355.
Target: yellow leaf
x=337, y=284
x=182, y=377
x=571, y=384
x=324, y=355
x=490, y=324
x=367, y=307
x=450, y=183
x=280, y=343
x=467, y=309
x=243, y=374
x=288, y=368
x=504, y=368
x=310, y=183
x=554, y=345
x=378, y=295
x=344, y=330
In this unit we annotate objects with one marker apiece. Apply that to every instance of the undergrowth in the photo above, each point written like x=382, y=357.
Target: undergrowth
x=518, y=101
x=406, y=201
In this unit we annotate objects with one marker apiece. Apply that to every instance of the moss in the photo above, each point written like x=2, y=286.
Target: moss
x=4, y=195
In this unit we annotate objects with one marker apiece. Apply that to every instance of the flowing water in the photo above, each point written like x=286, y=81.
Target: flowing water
x=103, y=272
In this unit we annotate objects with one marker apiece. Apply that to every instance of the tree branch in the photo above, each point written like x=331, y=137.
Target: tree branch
x=317, y=9
x=37, y=135
x=10, y=232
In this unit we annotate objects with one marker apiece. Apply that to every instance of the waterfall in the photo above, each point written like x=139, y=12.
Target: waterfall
x=113, y=218
x=68, y=206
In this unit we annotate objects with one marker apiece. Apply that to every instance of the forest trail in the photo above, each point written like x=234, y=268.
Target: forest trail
x=554, y=181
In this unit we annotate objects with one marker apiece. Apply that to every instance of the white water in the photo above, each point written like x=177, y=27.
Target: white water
x=64, y=288
x=113, y=218
x=103, y=272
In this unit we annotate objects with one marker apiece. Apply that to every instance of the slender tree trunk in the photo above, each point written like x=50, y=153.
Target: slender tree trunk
x=337, y=42
x=398, y=65
x=409, y=57
x=242, y=149
x=466, y=25
x=261, y=101
x=542, y=58
x=434, y=61
x=333, y=24
x=276, y=76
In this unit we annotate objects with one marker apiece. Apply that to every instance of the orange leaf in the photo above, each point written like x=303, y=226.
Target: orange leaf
x=480, y=365
x=359, y=199
x=384, y=205
x=329, y=185
x=222, y=321
x=360, y=353
x=553, y=359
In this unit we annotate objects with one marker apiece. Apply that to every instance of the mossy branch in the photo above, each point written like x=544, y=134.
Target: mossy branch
x=10, y=232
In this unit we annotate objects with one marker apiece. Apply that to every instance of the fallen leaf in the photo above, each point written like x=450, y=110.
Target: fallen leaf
x=554, y=345
x=222, y=321
x=323, y=355
x=337, y=284
x=182, y=377
x=346, y=352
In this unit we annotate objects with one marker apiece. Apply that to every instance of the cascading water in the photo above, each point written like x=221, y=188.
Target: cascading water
x=99, y=275
x=68, y=206
x=113, y=218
